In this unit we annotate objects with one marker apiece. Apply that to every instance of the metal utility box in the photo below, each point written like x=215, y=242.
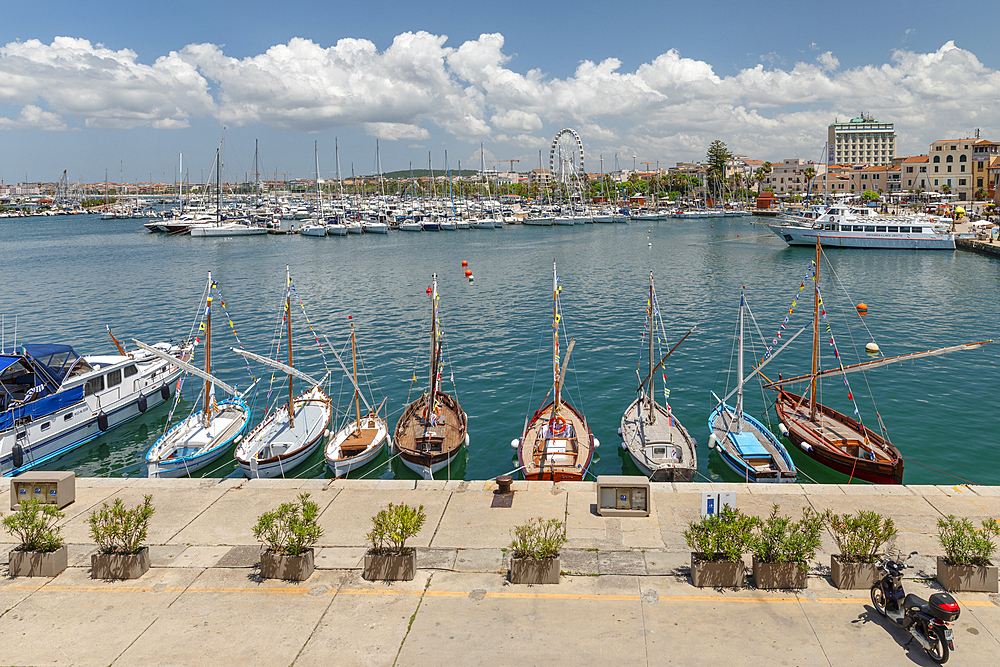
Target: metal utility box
x=52, y=488
x=712, y=503
x=623, y=495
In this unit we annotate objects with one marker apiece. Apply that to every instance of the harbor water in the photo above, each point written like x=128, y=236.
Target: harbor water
x=70, y=276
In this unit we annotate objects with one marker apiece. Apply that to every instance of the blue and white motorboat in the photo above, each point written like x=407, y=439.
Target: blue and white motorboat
x=747, y=446
x=54, y=400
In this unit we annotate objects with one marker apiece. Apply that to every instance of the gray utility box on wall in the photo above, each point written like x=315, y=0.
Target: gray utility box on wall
x=52, y=488
x=623, y=495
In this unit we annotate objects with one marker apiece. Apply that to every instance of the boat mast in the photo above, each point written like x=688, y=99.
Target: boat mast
x=354, y=358
x=815, y=350
x=208, y=353
x=555, y=339
x=652, y=410
x=288, y=321
x=319, y=190
x=739, y=371
x=218, y=189
x=434, y=347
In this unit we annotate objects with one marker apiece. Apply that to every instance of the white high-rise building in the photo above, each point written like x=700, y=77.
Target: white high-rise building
x=864, y=140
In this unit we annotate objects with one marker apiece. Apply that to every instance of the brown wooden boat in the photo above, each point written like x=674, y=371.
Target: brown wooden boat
x=433, y=428
x=556, y=443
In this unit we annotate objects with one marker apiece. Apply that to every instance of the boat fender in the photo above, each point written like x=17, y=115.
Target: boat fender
x=466, y=439
x=806, y=447
x=102, y=420
x=238, y=439
x=514, y=443
x=783, y=429
x=326, y=433
x=619, y=430
x=597, y=443
x=164, y=392
x=142, y=403
x=711, y=441
x=17, y=455
x=624, y=446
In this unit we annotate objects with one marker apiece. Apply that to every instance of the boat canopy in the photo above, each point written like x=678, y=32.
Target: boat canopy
x=7, y=361
x=39, y=408
x=52, y=362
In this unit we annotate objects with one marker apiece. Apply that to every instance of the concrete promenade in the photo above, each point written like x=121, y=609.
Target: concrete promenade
x=626, y=598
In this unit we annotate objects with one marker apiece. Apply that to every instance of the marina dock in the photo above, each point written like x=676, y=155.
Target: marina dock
x=625, y=587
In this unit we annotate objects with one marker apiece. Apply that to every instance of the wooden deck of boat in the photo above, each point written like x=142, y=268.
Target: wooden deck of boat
x=556, y=456
x=842, y=436
x=723, y=426
x=413, y=432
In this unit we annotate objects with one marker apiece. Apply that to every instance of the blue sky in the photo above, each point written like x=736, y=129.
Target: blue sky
x=125, y=87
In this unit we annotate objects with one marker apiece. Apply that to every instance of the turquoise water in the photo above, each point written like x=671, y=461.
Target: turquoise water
x=67, y=277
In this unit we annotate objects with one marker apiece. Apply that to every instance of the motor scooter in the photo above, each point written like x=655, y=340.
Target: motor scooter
x=926, y=620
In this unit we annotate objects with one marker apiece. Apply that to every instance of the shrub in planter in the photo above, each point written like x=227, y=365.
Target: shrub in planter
x=781, y=548
x=289, y=534
x=534, y=551
x=388, y=558
x=42, y=552
x=120, y=533
x=860, y=538
x=718, y=543
x=966, y=565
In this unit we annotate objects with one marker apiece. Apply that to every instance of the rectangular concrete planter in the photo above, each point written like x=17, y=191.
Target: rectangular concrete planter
x=852, y=576
x=391, y=568
x=291, y=568
x=38, y=563
x=977, y=578
x=778, y=575
x=531, y=571
x=119, y=566
x=716, y=574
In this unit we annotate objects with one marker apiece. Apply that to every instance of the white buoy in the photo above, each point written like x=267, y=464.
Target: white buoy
x=624, y=446
x=711, y=441
x=619, y=430
x=597, y=443
x=783, y=429
x=872, y=348
x=514, y=443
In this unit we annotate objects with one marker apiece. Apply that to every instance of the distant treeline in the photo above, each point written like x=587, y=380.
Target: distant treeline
x=96, y=201
x=419, y=173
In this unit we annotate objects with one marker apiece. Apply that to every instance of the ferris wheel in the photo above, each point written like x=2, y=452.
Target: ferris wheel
x=566, y=156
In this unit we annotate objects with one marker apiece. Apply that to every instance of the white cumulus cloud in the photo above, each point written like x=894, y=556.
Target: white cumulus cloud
x=33, y=117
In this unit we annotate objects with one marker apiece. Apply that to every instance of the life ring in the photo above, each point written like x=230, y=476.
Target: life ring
x=557, y=426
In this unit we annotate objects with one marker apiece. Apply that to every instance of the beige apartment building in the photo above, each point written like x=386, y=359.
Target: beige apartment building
x=961, y=166
x=864, y=140
x=789, y=176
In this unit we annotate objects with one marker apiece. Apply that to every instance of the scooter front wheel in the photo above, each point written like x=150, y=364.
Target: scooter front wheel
x=939, y=645
x=878, y=598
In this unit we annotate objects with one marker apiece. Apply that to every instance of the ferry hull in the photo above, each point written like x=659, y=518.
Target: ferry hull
x=796, y=236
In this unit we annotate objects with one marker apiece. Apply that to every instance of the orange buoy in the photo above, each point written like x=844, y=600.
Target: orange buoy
x=465, y=262
x=468, y=272
x=863, y=307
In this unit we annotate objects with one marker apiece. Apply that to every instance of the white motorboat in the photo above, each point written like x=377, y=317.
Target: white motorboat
x=846, y=227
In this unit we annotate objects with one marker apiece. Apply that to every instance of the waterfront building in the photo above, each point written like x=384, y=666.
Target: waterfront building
x=864, y=140
x=955, y=166
x=993, y=172
x=541, y=177
x=789, y=176
x=913, y=173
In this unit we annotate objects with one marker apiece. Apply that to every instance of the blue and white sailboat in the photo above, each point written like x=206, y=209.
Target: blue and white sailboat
x=53, y=400
x=743, y=442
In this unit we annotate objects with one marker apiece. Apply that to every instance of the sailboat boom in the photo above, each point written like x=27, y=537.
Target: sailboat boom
x=184, y=366
x=285, y=368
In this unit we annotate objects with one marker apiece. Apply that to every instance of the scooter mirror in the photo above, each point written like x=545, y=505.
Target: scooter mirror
x=913, y=553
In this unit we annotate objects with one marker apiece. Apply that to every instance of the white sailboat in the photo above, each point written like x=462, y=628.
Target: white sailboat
x=292, y=432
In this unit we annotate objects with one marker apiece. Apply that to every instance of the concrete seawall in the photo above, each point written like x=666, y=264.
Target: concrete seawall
x=625, y=596
x=981, y=247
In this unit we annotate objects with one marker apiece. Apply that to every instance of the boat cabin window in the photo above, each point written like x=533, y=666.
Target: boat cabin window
x=46, y=426
x=115, y=378
x=894, y=229
x=880, y=228
x=659, y=452
x=869, y=229
x=93, y=385
x=68, y=417
x=131, y=370
x=920, y=230
x=859, y=228
x=830, y=227
x=905, y=230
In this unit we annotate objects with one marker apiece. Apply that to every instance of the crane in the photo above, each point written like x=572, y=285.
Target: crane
x=510, y=161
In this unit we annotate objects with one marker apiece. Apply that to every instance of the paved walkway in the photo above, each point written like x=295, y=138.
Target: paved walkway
x=626, y=597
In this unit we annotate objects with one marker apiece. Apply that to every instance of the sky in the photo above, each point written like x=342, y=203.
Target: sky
x=124, y=88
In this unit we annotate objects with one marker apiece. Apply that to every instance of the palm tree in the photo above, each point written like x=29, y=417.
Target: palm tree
x=810, y=175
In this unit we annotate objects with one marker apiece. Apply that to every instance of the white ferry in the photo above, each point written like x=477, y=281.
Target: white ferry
x=53, y=400
x=847, y=227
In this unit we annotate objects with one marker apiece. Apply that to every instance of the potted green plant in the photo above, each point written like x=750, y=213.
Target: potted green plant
x=718, y=543
x=534, y=552
x=42, y=552
x=289, y=534
x=389, y=559
x=966, y=565
x=120, y=532
x=859, y=539
x=781, y=548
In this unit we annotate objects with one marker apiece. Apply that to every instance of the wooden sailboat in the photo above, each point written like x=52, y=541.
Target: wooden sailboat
x=204, y=436
x=556, y=443
x=746, y=445
x=656, y=440
x=837, y=441
x=360, y=441
x=433, y=428
x=290, y=434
